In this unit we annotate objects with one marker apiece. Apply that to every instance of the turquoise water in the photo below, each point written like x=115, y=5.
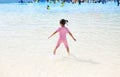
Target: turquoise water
x=54, y=8
x=36, y=15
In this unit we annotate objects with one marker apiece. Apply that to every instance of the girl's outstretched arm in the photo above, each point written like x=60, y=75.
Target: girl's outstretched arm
x=72, y=36
x=52, y=34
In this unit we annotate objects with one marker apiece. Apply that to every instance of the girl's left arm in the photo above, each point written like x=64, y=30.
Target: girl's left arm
x=72, y=36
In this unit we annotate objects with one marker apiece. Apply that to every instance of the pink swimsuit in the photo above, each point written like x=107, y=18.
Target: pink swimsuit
x=62, y=36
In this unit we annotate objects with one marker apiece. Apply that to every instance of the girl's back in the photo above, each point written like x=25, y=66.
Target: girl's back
x=62, y=32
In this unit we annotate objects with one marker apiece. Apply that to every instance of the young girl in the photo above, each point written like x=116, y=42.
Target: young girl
x=62, y=35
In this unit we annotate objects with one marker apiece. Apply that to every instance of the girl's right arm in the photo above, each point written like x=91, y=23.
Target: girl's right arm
x=52, y=34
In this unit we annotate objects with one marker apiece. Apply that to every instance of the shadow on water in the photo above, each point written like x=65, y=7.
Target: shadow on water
x=75, y=58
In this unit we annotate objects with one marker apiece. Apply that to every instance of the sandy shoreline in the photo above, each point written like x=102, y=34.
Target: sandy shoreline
x=26, y=53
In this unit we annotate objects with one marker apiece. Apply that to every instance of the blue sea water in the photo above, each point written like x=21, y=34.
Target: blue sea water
x=35, y=15
x=54, y=8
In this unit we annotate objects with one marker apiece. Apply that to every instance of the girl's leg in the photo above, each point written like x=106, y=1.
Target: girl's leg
x=58, y=44
x=66, y=46
x=55, y=50
x=68, y=50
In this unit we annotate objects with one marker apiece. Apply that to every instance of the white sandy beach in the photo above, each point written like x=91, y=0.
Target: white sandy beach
x=26, y=51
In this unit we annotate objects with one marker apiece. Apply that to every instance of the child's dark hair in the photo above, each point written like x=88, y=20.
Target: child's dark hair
x=63, y=21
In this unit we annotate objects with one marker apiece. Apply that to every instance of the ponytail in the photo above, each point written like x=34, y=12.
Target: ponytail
x=63, y=21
